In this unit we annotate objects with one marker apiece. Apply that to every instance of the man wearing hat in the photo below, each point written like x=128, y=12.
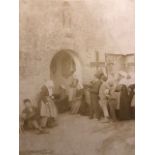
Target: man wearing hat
x=95, y=109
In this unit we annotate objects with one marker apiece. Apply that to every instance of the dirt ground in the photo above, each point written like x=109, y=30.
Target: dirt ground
x=78, y=135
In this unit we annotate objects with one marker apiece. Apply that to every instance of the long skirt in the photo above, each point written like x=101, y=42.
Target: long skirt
x=48, y=109
x=95, y=109
x=62, y=105
x=76, y=106
x=112, y=107
x=124, y=109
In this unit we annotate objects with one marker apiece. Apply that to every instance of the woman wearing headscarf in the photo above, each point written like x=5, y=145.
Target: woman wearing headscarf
x=48, y=111
x=124, y=111
x=123, y=106
x=130, y=83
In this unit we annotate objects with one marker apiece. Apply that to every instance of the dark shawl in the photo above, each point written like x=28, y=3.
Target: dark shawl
x=124, y=111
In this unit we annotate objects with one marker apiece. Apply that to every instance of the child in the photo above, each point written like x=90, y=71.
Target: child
x=30, y=117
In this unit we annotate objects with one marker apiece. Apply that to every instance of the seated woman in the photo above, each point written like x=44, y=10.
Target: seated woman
x=30, y=117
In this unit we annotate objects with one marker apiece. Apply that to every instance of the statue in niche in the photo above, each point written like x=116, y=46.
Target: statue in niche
x=66, y=15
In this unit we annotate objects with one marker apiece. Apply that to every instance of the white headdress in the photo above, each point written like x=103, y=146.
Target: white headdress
x=50, y=85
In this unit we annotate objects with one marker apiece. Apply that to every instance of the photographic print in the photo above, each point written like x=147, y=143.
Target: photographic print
x=77, y=77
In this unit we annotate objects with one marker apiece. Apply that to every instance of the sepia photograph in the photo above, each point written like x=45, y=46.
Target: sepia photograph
x=76, y=77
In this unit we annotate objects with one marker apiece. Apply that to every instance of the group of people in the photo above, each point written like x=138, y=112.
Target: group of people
x=110, y=98
x=43, y=115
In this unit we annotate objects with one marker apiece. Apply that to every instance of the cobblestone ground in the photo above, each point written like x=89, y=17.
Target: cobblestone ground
x=77, y=135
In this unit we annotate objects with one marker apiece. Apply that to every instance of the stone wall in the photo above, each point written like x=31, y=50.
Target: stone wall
x=47, y=27
x=117, y=62
x=130, y=63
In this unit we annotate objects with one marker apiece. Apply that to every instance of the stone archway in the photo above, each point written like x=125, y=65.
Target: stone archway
x=65, y=65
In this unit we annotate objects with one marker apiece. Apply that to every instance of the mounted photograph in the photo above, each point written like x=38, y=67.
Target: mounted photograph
x=77, y=77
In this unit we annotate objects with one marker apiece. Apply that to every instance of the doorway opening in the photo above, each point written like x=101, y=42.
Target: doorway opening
x=65, y=66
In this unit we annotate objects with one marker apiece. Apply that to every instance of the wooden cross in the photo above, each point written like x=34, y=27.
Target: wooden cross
x=97, y=63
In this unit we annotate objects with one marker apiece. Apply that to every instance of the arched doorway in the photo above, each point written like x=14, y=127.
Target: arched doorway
x=65, y=65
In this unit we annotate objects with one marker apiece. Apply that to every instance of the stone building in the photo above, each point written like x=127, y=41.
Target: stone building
x=124, y=62
x=67, y=37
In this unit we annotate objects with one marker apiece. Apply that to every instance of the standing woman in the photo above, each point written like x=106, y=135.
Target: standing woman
x=47, y=108
x=123, y=105
x=124, y=111
x=77, y=96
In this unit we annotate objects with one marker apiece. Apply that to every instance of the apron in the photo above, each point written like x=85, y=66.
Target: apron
x=48, y=109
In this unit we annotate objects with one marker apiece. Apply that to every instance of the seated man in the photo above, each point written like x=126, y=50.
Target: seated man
x=30, y=117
